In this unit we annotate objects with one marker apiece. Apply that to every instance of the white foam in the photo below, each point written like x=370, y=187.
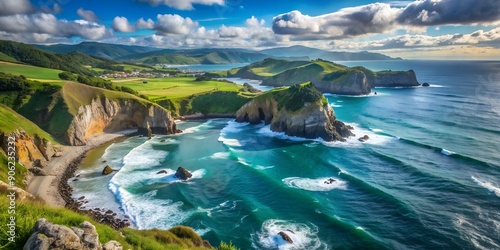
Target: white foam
x=221, y=155
x=353, y=141
x=336, y=106
x=342, y=171
x=223, y=207
x=196, y=128
x=259, y=167
x=488, y=185
x=320, y=184
x=242, y=161
x=233, y=127
x=143, y=156
x=266, y=131
x=202, y=232
x=447, y=152
x=230, y=142
x=169, y=177
x=377, y=130
x=304, y=236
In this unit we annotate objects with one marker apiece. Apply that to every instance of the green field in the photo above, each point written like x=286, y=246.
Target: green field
x=28, y=71
x=175, y=87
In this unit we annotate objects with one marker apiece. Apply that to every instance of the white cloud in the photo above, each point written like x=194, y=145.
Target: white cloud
x=173, y=25
x=183, y=4
x=87, y=15
x=45, y=25
x=12, y=7
x=382, y=18
x=347, y=22
x=145, y=24
x=121, y=24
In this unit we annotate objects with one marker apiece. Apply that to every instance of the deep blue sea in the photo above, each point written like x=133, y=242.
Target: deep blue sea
x=429, y=177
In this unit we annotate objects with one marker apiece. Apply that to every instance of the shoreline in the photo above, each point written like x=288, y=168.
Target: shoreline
x=54, y=188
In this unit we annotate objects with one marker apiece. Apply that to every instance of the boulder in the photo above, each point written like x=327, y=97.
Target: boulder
x=51, y=236
x=112, y=245
x=285, y=237
x=364, y=138
x=182, y=174
x=107, y=170
x=425, y=84
x=38, y=171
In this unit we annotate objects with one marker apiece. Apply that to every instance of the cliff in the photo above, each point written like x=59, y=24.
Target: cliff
x=328, y=77
x=393, y=79
x=108, y=115
x=299, y=111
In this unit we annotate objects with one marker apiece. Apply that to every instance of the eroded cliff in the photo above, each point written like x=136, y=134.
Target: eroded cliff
x=297, y=111
x=106, y=115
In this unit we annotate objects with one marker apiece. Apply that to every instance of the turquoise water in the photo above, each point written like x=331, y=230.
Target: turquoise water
x=429, y=177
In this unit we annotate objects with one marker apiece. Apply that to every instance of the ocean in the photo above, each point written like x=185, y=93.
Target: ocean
x=428, y=177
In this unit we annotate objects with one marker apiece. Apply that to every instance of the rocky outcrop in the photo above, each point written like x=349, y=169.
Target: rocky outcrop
x=392, y=79
x=105, y=115
x=285, y=237
x=107, y=170
x=183, y=174
x=313, y=120
x=52, y=236
x=31, y=151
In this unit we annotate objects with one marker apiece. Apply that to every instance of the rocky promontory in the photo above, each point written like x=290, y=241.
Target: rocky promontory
x=300, y=110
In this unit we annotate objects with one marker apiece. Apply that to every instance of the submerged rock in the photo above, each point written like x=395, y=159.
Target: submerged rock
x=285, y=237
x=162, y=172
x=364, y=138
x=183, y=174
x=107, y=170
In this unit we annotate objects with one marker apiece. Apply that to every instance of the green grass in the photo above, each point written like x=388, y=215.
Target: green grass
x=20, y=172
x=11, y=121
x=30, y=71
x=6, y=58
x=175, y=87
x=28, y=212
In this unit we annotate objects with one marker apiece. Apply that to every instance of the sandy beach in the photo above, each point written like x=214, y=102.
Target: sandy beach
x=47, y=187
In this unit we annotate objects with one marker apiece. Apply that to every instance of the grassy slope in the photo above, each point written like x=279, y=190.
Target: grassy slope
x=29, y=71
x=6, y=58
x=28, y=212
x=176, y=87
x=11, y=121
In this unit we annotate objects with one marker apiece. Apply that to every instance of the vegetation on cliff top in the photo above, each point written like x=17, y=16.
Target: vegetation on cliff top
x=28, y=212
x=293, y=98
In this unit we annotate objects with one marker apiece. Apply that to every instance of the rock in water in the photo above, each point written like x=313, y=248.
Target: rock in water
x=300, y=110
x=183, y=174
x=162, y=172
x=107, y=170
x=425, y=84
x=364, y=138
x=286, y=237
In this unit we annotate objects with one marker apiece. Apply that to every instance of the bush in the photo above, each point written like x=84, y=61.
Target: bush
x=128, y=90
x=67, y=76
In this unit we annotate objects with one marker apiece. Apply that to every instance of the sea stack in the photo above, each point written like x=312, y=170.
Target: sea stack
x=183, y=174
x=300, y=110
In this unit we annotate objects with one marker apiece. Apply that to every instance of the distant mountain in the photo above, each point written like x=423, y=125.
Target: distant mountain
x=74, y=62
x=104, y=50
x=196, y=56
x=313, y=53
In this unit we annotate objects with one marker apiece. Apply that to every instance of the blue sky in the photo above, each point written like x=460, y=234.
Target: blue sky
x=436, y=29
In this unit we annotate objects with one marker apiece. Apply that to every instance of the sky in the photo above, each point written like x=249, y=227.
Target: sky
x=421, y=29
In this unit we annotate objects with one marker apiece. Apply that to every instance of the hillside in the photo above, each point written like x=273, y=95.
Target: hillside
x=74, y=62
x=328, y=77
x=314, y=53
x=197, y=56
x=103, y=50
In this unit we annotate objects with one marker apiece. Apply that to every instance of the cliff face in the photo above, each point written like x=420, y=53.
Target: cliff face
x=313, y=120
x=105, y=115
x=30, y=151
x=395, y=79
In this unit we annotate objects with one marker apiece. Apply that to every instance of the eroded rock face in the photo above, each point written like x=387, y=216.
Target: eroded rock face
x=52, y=236
x=105, y=115
x=395, y=79
x=311, y=121
x=31, y=151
